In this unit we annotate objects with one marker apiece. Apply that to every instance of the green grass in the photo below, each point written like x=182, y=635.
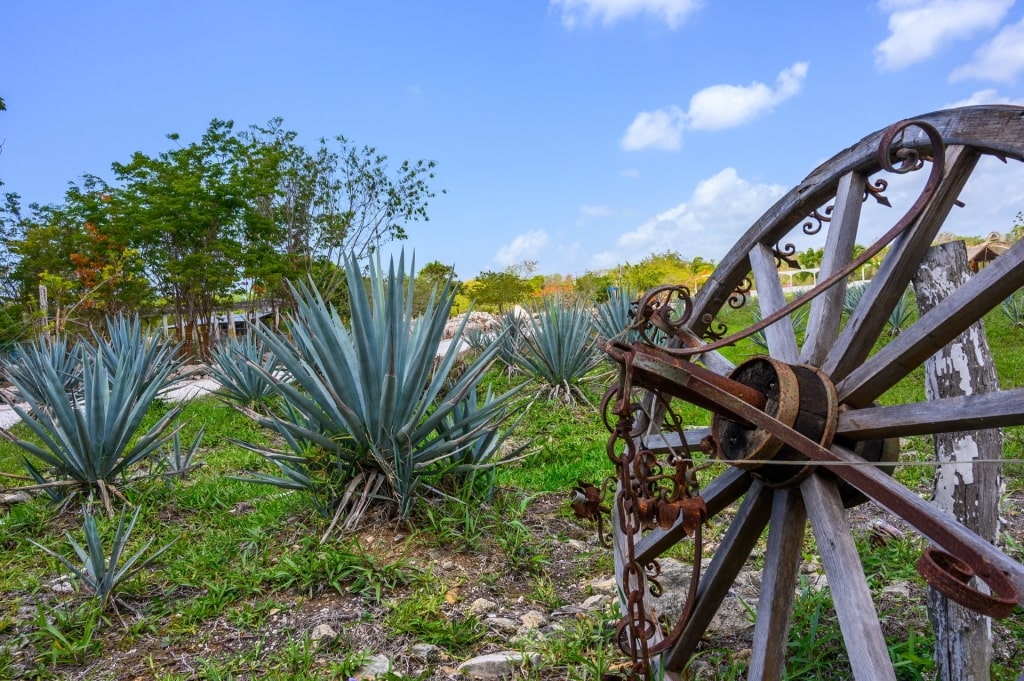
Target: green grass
x=249, y=555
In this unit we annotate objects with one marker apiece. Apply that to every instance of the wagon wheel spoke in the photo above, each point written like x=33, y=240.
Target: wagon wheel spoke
x=770, y=296
x=927, y=519
x=867, y=322
x=862, y=633
x=826, y=310
x=933, y=330
x=718, y=495
x=778, y=587
x=736, y=545
x=997, y=409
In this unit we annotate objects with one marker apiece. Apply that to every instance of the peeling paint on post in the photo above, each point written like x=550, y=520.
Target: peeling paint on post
x=970, y=491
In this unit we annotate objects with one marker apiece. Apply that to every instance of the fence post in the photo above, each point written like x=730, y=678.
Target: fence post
x=967, y=490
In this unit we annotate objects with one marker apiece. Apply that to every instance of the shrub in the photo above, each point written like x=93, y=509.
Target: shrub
x=91, y=440
x=371, y=411
x=246, y=371
x=559, y=349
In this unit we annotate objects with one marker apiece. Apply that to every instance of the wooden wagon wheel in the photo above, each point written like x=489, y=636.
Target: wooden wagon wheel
x=817, y=400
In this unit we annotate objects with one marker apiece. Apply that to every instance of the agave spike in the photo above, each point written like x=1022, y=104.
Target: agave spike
x=371, y=394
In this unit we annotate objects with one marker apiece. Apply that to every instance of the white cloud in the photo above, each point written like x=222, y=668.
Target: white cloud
x=726, y=106
x=1000, y=59
x=587, y=12
x=630, y=172
x=718, y=107
x=920, y=28
x=989, y=96
x=526, y=246
x=659, y=129
x=720, y=209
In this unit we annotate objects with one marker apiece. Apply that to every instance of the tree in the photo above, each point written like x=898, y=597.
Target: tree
x=334, y=200
x=640, y=277
x=594, y=286
x=81, y=252
x=196, y=222
x=499, y=289
x=811, y=258
x=431, y=278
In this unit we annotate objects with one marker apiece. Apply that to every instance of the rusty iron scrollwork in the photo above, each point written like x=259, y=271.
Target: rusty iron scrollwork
x=651, y=493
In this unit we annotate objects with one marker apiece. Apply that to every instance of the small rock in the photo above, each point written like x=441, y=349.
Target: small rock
x=607, y=585
x=497, y=665
x=242, y=508
x=534, y=619
x=62, y=587
x=898, y=589
x=323, y=632
x=374, y=667
x=481, y=606
x=426, y=652
x=817, y=582
x=503, y=624
x=595, y=602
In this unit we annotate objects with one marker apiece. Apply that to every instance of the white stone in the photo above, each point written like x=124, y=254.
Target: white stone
x=375, y=666
x=481, y=606
x=497, y=665
x=534, y=619
x=426, y=651
x=323, y=633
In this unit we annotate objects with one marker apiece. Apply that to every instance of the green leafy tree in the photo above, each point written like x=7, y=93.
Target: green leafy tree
x=1017, y=231
x=194, y=209
x=81, y=252
x=434, y=276
x=811, y=258
x=332, y=200
x=595, y=286
x=641, y=276
x=498, y=290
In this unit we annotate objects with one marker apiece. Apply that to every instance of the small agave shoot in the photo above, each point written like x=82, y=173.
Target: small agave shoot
x=91, y=438
x=1013, y=309
x=559, y=349
x=370, y=412
x=246, y=371
x=104, y=574
x=615, y=314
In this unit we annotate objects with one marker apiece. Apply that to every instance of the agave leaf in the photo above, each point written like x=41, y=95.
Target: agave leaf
x=371, y=393
x=91, y=439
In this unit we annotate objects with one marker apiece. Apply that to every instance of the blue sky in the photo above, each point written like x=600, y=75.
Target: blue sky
x=578, y=133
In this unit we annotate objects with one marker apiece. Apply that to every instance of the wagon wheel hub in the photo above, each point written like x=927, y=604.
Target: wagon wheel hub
x=797, y=396
x=802, y=398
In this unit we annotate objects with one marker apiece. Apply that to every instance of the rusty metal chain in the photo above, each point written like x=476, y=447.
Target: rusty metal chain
x=650, y=495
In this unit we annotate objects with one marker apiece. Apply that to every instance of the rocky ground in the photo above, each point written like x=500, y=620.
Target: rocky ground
x=521, y=611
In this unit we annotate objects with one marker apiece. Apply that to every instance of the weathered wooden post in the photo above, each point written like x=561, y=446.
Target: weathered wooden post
x=967, y=490
x=44, y=306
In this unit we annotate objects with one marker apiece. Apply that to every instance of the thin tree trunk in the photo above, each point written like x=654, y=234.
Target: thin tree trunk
x=968, y=491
